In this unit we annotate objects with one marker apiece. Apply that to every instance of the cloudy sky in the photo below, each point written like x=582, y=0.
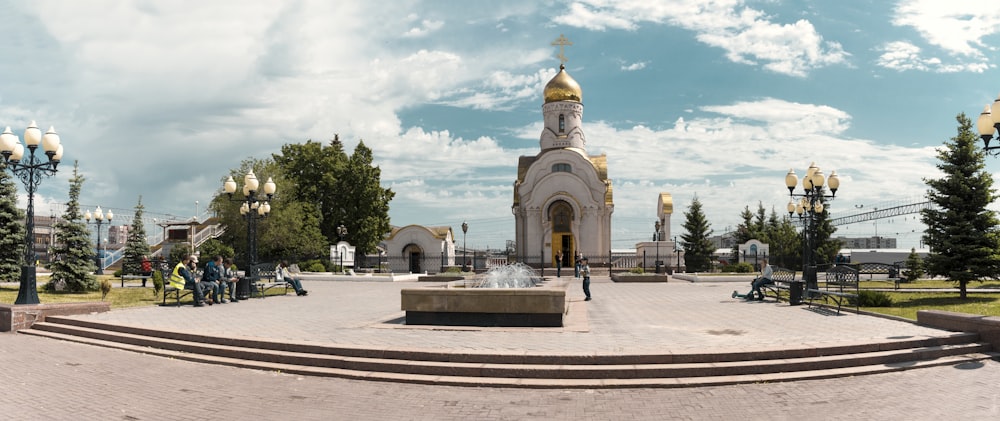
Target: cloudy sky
x=714, y=99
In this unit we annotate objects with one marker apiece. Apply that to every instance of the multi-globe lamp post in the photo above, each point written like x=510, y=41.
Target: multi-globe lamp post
x=988, y=124
x=809, y=208
x=30, y=169
x=253, y=207
x=98, y=218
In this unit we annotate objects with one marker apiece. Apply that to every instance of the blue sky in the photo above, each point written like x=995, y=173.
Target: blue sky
x=710, y=98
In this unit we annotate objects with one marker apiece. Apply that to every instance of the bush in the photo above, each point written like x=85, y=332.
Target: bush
x=638, y=271
x=453, y=269
x=118, y=273
x=315, y=267
x=157, y=282
x=874, y=299
x=738, y=268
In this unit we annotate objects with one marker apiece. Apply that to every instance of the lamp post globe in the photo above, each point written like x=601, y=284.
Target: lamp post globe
x=30, y=169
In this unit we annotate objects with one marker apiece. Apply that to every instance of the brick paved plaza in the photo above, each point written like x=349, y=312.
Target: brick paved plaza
x=50, y=379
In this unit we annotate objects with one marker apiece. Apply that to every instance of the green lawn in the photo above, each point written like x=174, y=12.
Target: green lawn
x=133, y=295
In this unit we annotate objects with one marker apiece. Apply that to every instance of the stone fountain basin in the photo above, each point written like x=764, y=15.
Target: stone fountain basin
x=453, y=304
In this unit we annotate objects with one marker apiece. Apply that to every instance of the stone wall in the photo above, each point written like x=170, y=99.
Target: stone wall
x=988, y=327
x=21, y=316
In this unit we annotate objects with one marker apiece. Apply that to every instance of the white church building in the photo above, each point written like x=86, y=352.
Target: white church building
x=562, y=196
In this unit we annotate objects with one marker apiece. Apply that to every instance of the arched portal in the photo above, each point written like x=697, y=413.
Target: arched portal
x=413, y=255
x=561, y=216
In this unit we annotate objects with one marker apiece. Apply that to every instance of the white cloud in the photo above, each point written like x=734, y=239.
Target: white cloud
x=639, y=65
x=425, y=28
x=956, y=27
x=747, y=35
x=903, y=56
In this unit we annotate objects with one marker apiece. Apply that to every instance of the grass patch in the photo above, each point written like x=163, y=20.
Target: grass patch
x=906, y=304
x=133, y=295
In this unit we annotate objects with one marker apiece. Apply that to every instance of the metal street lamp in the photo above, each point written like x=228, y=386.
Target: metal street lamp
x=465, y=250
x=98, y=218
x=341, y=233
x=678, y=251
x=809, y=208
x=30, y=170
x=252, y=208
x=656, y=238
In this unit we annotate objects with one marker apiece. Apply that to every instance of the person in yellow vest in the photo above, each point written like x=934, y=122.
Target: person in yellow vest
x=181, y=278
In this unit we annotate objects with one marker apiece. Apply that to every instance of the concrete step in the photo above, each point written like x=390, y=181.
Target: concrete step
x=317, y=359
x=517, y=357
x=560, y=383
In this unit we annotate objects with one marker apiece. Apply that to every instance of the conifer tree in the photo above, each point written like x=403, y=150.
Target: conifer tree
x=74, y=261
x=136, y=246
x=962, y=232
x=698, y=248
x=11, y=230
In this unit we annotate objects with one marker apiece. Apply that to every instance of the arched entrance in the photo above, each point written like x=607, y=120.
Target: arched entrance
x=414, y=255
x=561, y=216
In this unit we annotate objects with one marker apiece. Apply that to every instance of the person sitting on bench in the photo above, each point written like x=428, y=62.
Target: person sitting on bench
x=281, y=274
x=758, y=282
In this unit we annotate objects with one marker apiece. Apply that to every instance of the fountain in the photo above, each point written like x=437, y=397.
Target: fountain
x=511, y=295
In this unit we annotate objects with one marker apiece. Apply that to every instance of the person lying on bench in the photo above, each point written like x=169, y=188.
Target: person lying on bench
x=281, y=274
x=757, y=283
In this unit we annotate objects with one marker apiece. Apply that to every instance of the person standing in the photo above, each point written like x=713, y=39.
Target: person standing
x=558, y=264
x=585, y=272
x=576, y=265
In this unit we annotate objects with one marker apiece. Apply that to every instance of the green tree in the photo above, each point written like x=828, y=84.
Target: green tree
x=313, y=170
x=215, y=247
x=365, y=203
x=291, y=231
x=961, y=231
x=698, y=249
x=344, y=189
x=11, y=229
x=177, y=253
x=914, y=266
x=136, y=246
x=827, y=247
x=74, y=262
x=784, y=242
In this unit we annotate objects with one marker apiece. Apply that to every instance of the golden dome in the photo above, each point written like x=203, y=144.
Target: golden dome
x=562, y=87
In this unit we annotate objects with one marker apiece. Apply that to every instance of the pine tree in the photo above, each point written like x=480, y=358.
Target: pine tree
x=827, y=247
x=961, y=231
x=914, y=266
x=698, y=249
x=136, y=246
x=11, y=230
x=75, y=255
x=783, y=241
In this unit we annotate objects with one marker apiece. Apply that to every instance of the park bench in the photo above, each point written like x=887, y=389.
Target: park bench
x=263, y=277
x=890, y=271
x=841, y=287
x=782, y=279
x=169, y=289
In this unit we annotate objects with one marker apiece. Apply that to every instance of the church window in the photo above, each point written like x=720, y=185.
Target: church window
x=562, y=123
x=561, y=168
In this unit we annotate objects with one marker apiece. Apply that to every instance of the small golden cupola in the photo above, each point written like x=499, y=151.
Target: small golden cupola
x=562, y=87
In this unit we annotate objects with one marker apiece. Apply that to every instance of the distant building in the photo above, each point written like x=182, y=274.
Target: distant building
x=118, y=234
x=867, y=242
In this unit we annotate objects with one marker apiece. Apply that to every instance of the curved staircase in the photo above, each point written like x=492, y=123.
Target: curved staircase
x=525, y=369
